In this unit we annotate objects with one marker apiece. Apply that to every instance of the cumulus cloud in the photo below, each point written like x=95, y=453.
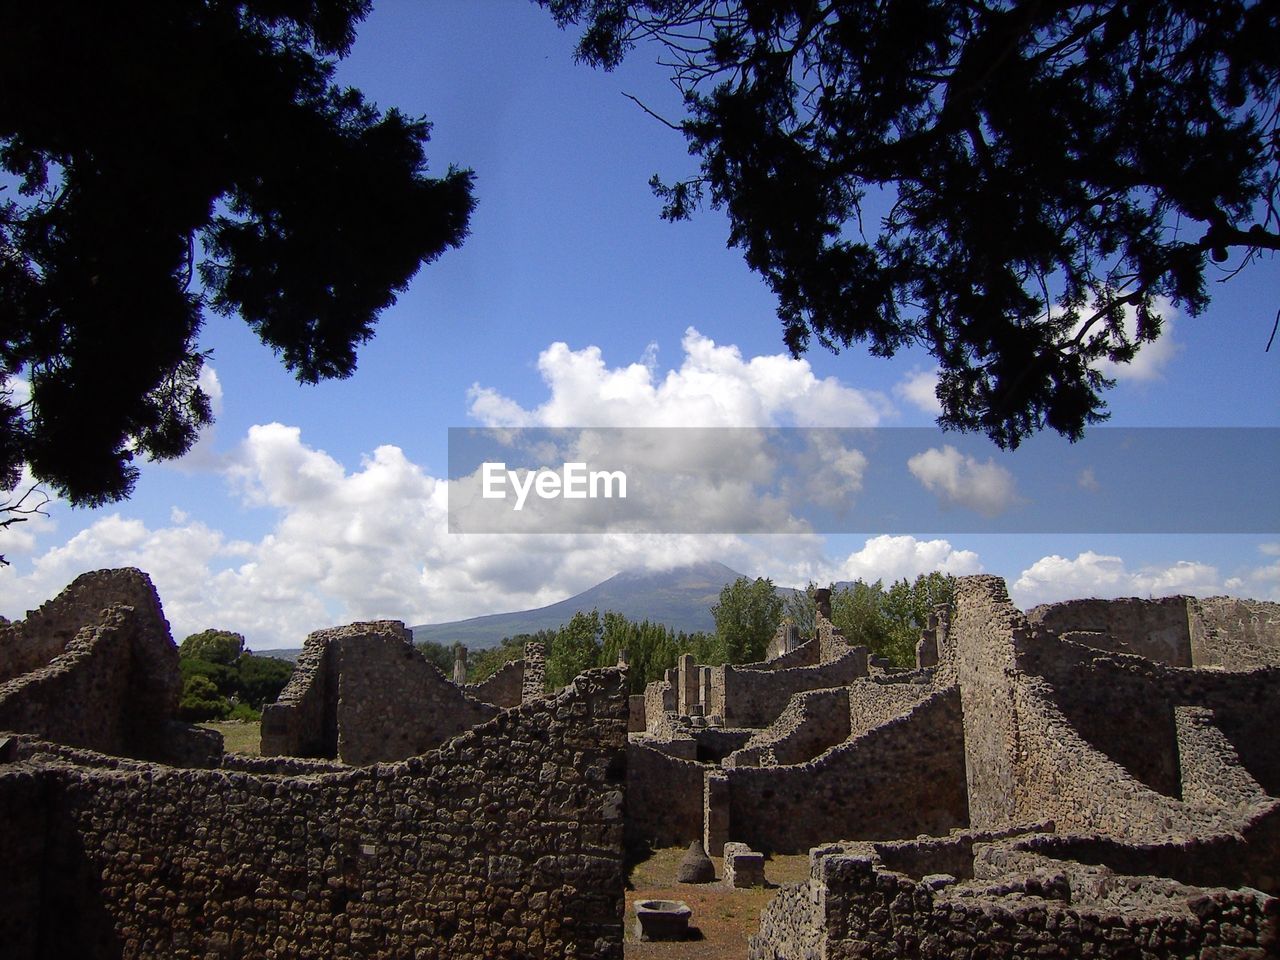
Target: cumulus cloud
x=892, y=558
x=918, y=388
x=715, y=386
x=961, y=480
x=1092, y=574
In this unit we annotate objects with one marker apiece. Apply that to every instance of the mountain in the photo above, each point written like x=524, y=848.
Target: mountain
x=680, y=598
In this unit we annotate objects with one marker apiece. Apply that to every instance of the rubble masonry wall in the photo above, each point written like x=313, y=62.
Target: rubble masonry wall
x=504, y=842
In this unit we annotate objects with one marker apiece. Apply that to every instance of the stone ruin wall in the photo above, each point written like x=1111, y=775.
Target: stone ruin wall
x=504, y=688
x=1026, y=759
x=363, y=693
x=1018, y=905
x=664, y=798
x=30, y=644
x=112, y=684
x=1232, y=634
x=1155, y=629
x=755, y=698
x=811, y=723
x=504, y=842
x=1218, y=632
x=901, y=778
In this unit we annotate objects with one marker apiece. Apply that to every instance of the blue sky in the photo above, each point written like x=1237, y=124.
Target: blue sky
x=572, y=304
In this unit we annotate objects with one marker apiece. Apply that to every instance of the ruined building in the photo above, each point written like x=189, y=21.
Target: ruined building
x=1093, y=778
x=127, y=834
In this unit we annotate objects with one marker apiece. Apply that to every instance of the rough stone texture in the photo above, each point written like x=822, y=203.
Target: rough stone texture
x=812, y=722
x=664, y=798
x=363, y=694
x=1233, y=634
x=743, y=867
x=755, y=698
x=504, y=688
x=1037, y=736
x=696, y=867
x=901, y=778
x=504, y=842
x=1018, y=905
x=636, y=718
x=1155, y=629
x=535, y=672
x=112, y=682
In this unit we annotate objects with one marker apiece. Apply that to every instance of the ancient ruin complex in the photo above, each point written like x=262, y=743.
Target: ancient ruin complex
x=1091, y=778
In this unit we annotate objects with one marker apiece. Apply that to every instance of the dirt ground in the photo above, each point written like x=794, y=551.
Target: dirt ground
x=724, y=918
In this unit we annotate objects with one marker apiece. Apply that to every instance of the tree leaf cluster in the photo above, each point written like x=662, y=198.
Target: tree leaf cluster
x=168, y=157
x=221, y=680
x=1010, y=185
x=889, y=620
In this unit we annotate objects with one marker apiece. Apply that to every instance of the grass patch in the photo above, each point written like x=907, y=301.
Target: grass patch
x=238, y=736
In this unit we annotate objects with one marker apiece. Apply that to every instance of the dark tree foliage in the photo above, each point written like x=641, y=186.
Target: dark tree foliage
x=213, y=646
x=129, y=132
x=1041, y=165
x=747, y=616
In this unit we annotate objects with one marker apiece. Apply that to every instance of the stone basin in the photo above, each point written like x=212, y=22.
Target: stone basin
x=662, y=919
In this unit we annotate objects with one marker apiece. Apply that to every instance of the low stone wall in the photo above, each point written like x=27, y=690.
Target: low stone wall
x=903, y=778
x=113, y=686
x=1231, y=634
x=363, y=693
x=504, y=688
x=811, y=723
x=755, y=698
x=854, y=907
x=664, y=798
x=1155, y=629
x=504, y=842
x=877, y=700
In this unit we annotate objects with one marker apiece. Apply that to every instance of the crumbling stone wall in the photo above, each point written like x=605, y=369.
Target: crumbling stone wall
x=853, y=906
x=363, y=693
x=1155, y=629
x=114, y=683
x=504, y=842
x=1023, y=697
x=504, y=688
x=1232, y=634
x=876, y=700
x=32, y=643
x=755, y=698
x=811, y=723
x=664, y=798
x=901, y=778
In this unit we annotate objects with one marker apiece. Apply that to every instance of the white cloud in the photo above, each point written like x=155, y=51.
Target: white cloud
x=714, y=387
x=957, y=479
x=891, y=558
x=918, y=388
x=1091, y=574
x=1152, y=358
x=1088, y=480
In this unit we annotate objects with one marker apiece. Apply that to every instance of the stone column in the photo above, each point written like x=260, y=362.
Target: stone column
x=535, y=672
x=459, y=664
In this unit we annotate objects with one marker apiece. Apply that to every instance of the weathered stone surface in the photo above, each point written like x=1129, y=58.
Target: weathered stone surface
x=743, y=867
x=696, y=867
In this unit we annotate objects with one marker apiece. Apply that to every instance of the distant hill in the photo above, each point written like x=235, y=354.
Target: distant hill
x=680, y=598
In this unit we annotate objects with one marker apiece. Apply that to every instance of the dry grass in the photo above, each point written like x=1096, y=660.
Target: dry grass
x=238, y=736
x=725, y=918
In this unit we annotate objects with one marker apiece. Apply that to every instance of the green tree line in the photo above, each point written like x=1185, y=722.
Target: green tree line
x=888, y=620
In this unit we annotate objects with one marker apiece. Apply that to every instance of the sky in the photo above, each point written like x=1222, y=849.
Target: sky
x=573, y=304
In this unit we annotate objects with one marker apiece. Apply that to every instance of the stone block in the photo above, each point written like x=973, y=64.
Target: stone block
x=743, y=867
